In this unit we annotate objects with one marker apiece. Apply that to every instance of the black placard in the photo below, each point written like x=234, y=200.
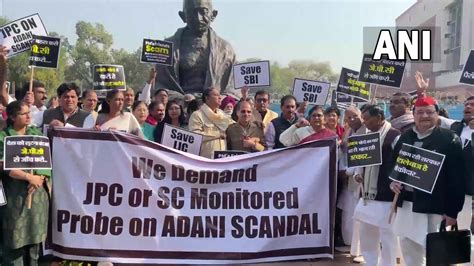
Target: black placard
x=350, y=85
x=417, y=167
x=109, y=77
x=346, y=98
x=26, y=152
x=225, y=154
x=45, y=51
x=158, y=52
x=364, y=150
x=467, y=75
x=382, y=72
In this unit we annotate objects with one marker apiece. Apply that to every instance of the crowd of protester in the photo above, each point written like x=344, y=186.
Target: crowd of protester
x=247, y=124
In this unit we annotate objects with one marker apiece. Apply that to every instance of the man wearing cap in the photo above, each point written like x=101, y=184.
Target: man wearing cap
x=201, y=59
x=420, y=213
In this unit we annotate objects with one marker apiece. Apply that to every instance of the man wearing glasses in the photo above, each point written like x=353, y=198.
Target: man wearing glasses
x=263, y=114
x=421, y=213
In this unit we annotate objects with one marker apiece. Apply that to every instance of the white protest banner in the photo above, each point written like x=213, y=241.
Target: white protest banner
x=146, y=203
x=315, y=92
x=18, y=35
x=181, y=139
x=255, y=74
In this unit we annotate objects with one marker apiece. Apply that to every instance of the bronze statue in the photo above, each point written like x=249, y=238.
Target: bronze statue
x=201, y=59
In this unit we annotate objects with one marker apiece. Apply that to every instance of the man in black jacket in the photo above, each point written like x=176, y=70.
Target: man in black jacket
x=421, y=213
x=464, y=129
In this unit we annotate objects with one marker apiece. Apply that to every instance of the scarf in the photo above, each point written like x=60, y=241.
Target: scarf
x=371, y=173
x=218, y=118
x=324, y=133
x=403, y=120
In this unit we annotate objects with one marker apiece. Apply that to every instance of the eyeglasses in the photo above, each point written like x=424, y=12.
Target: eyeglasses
x=429, y=113
x=261, y=100
x=25, y=113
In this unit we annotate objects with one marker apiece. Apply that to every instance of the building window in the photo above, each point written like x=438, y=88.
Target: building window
x=454, y=34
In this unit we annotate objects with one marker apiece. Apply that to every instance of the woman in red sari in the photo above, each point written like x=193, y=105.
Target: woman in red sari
x=318, y=123
x=304, y=131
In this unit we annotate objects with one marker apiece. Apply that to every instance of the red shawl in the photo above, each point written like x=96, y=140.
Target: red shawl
x=324, y=133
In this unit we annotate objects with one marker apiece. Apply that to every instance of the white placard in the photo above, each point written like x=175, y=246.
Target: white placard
x=3, y=199
x=180, y=139
x=315, y=92
x=255, y=74
x=18, y=35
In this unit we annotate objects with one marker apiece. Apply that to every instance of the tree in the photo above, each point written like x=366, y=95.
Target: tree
x=135, y=71
x=92, y=47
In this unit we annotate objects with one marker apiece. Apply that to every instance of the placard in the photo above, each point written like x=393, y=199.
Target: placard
x=315, y=92
x=346, y=98
x=418, y=168
x=158, y=52
x=45, y=51
x=364, y=150
x=383, y=72
x=26, y=152
x=350, y=85
x=17, y=35
x=3, y=198
x=225, y=154
x=181, y=139
x=467, y=74
x=255, y=74
x=108, y=77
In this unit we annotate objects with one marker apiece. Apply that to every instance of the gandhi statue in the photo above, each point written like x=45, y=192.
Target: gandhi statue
x=201, y=58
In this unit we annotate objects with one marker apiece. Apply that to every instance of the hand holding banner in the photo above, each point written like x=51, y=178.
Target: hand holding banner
x=151, y=204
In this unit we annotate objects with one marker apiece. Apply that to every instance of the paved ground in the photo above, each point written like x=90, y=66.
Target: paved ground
x=340, y=259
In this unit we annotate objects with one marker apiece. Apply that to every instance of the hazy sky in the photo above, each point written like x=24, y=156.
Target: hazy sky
x=275, y=30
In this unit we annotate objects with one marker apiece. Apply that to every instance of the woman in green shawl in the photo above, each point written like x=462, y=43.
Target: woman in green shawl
x=23, y=228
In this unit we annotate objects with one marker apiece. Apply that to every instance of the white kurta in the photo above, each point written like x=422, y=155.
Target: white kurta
x=415, y=226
